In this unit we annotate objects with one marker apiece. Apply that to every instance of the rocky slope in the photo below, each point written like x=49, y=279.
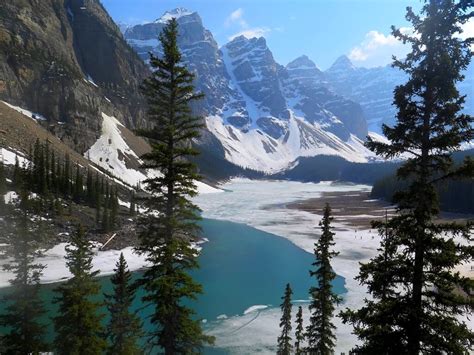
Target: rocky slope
x=263, y=115
x=373, y=89
x=68, y=61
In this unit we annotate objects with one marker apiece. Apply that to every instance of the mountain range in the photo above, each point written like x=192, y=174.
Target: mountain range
x=72, y=65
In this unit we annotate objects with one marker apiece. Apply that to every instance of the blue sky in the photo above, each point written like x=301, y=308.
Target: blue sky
x=321, y=29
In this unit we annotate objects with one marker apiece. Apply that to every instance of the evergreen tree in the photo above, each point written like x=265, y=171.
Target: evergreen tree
x=90, y=188
x=47, y=172
x=17, y=175
x=105, y=220
x=419, y=294
x=124, y=328
x=78, y=185
x=22, y=238
x=165, y=237
x=3, y=187
x=284, y=340
x=132, y=204
x=320, y=331
x=67, y=176
x=78, y=324
x=299, y=332
x=59, y=176
x=114, y=206
x=53, y=177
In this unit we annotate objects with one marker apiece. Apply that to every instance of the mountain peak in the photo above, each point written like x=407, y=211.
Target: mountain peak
x=176, y=13
x=301, y=62
x=343, y=63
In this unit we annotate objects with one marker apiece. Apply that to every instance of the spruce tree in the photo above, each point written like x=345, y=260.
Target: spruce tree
x=105, y=220
x=22, y=236
x=299, y=332
x=90, y=188
x=53, y=177
x=284, y=340
x=124, y=328
x=78, y=185
x=132, y=204
x=17, y=175
x=422, y=300
x=114, y=206
x=165, y=237
x=3, y=187
x=67, y=176
x=78, y=324
x=320, y=331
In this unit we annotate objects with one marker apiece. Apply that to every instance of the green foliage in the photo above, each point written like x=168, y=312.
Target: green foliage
x=320, y=331
x=78, y=324
x=124, y=328
x=3, y=188
x=415, y=304
x=165, y=236
x=284, y=340
x=454, y=195
x=3, y=179
x=299, y=332
x=133, y=207
x=22, y=235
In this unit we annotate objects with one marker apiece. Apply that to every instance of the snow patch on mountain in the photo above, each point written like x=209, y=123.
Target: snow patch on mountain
x=257, y=150
x=176, y=13
x=112, y=153
x=111, y=150
x=27, y=113
x=9, y=157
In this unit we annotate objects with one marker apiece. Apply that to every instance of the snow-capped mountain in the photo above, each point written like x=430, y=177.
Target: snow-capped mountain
x=373, y=89
x=264, y=115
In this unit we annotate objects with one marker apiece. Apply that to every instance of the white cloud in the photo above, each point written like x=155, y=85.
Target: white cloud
x=236, y=17
x=468, y=29
x=251, y=32
x=377, y=49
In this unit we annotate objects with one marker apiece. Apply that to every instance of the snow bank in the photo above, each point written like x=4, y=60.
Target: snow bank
x=56, y=269
x=9, y=157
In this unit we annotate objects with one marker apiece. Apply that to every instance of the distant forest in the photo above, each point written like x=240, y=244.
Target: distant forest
x=455, y=195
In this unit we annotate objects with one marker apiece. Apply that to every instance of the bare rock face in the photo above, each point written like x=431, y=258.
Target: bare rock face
x=68, y=61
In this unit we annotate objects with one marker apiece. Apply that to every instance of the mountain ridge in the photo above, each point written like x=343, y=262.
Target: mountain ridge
x=251, y=105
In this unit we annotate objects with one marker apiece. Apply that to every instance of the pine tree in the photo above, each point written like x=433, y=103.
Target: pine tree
x=114, y=206
x=46, y=153
x=284, y=340
x=78, y=186
x=90, y=188
x=53, y=177
x=24, y=308
x=320, y=331
x=299, y=332
x=132, y=204
x=17, y=175
x=78, y=324
x=67, y=176
x=3, y=187
x=165, y=237
x=124, y=328
x=105, y=220
x=420, y=296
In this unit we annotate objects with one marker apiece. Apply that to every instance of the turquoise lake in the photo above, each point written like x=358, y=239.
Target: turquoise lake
x=240, y=267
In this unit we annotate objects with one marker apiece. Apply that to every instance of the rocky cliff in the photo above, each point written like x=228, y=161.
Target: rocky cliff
x=68, y=61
